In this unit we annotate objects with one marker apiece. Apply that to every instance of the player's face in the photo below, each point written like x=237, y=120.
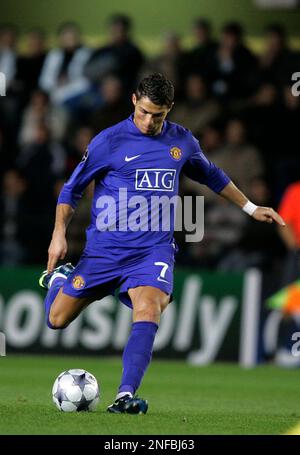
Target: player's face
x=148, y=116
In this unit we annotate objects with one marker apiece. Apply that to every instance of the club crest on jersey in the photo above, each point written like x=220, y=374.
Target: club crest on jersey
x=78, y=282
x=176, y=153
x=155, y=179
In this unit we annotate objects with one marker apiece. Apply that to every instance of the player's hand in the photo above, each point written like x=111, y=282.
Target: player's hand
x=268, y=215
x=57, y=250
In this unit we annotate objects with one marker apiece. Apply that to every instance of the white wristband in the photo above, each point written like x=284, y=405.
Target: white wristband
x=249, y=208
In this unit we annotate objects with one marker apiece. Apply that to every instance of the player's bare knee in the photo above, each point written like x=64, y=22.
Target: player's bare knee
x=58, y=321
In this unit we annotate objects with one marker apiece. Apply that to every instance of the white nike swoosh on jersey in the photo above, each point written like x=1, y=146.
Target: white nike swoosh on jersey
x=161, y=279
x=130, y=158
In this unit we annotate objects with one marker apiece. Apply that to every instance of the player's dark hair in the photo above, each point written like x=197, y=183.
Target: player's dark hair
x=157, y=88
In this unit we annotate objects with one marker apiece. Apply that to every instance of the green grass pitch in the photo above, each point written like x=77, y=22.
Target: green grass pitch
x=217, y=399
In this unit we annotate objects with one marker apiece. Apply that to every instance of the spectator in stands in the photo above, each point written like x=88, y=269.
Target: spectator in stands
x=224, y=225
x=205, y=47
x=29, y=66
x=239, y=159
x=12, y=211
x=42, y=162
x=197, y=108
x=211, y=142
x=290, y=118
x=172, y=61
x=62, y=72
x=10, y=104
x=113, y=108
x=257, y=246
x=8, y=54
x=288, y=141
x=278, y=62
x=38, y=111
x=120, y=56
x=262, y=115
x=7, y=154
x=232, y=68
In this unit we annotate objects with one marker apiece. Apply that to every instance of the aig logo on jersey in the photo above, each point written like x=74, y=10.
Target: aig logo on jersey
x=155, y=179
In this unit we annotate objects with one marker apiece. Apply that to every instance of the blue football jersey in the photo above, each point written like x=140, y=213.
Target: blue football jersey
x=132, y=172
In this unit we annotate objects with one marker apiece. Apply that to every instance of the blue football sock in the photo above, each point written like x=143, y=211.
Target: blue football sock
x=50, y=297
x=137, y=355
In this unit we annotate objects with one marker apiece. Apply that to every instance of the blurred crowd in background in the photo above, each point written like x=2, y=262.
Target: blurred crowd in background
x=237, y=103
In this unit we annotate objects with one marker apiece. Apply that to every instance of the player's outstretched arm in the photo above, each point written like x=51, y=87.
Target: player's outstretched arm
x=265, y=214
x=58, y=246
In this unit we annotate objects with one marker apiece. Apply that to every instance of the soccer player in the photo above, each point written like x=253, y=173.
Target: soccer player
x=143, y=156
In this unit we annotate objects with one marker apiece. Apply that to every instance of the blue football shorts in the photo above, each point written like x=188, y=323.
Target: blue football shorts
x=122, y=268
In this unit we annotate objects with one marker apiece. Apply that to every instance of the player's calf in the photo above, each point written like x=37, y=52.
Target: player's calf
x=61, y=309
x=65, y=308
x=58, y=320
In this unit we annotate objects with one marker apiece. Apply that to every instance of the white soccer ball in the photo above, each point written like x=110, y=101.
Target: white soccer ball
x=76, y=390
